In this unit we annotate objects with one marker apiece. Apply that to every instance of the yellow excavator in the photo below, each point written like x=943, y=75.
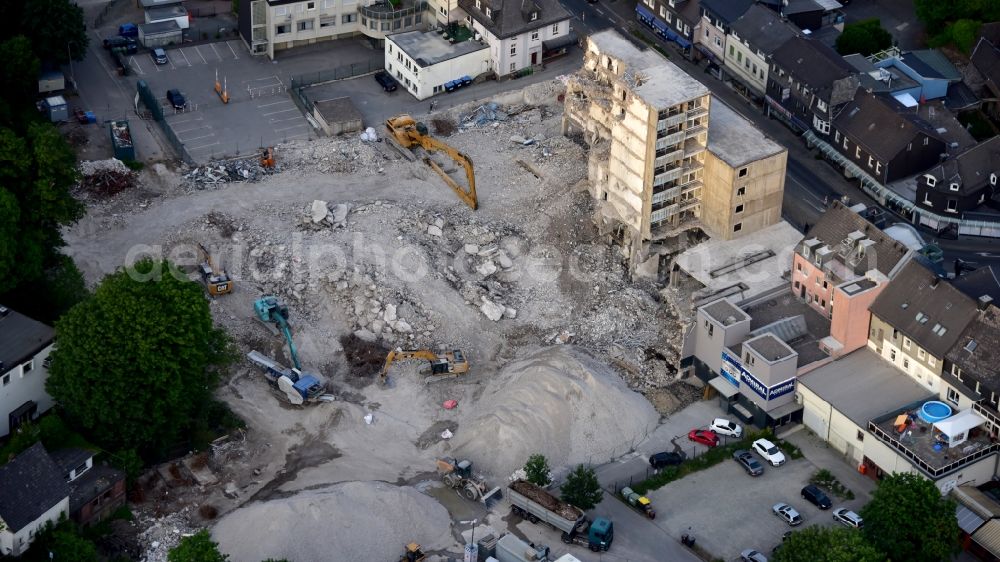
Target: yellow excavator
x=446, y=363
x=406, y=133
x=216, y=280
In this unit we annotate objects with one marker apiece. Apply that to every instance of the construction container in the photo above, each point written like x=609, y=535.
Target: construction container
x=56, y=109
x=121, y=140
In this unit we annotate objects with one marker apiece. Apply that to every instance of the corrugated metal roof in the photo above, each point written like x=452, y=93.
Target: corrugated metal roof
x=974, y=499
x=988, y=536
x=968, y=521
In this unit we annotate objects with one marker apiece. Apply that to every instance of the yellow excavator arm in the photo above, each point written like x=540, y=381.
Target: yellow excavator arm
x=450, y=362
x=407, y=133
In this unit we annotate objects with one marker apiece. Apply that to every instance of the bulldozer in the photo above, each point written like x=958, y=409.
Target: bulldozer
x=445, y=364
x=406, y=133
x=215, y=279
x=413, y=553
x=458, y=475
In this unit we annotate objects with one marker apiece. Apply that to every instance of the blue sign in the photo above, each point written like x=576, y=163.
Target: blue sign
x=767, y=392
x=781, y=389
x=754, y=384
x=732, y=375
x=733, y=378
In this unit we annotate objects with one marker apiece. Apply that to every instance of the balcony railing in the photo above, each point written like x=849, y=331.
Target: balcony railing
x=666, y=195
x=693, y=148
x=697, y=111
x=386, y=11
x=669, y=140
x=695, y=130
x=663, y=124
x=668, y=176
x=668, y=158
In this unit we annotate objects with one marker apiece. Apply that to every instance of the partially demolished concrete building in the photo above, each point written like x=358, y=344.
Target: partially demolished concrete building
x=646, y=122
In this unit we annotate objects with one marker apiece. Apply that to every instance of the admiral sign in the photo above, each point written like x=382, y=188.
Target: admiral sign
x=765, y=392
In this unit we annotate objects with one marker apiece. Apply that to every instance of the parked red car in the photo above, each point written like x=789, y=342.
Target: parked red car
x=704, y=436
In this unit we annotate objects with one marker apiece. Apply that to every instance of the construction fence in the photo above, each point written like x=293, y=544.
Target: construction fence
x=156, y=112
x=299, y=83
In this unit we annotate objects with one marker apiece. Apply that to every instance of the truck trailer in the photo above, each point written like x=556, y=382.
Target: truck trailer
x=533, y=503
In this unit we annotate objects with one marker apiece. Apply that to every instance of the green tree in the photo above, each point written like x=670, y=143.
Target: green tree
x=199, y=547
x=908, y=519
x=865, y=37
x=68, y=546
x=582, y=488
x=537, y=470
x=36, y=174
x=19, y=72
x=137, y=362
x=56, y=29
x=827, y=544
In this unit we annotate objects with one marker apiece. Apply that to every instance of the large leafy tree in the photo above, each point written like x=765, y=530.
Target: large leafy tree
x=582, y=488
x=199, y=547
x=56, y=29
x=537, y=470
x=909, y=519
x=19, y=72
x=36, y=174
x=827, y=544
x=865, y=37
x=136, y=363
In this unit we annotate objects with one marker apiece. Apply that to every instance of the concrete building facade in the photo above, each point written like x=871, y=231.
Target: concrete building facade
x=751, y=41
x=24, y=350
x=520, y=34
x=423, y=61
x=744, y=176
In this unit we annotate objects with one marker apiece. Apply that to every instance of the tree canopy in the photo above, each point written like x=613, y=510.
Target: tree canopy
x=137, y=362
x=956, y=22
x=199, y=547
x=909, y=519
x=582, y=488
x=864, y=37
x=56, y=29
x=537, y=470
x=827, y=544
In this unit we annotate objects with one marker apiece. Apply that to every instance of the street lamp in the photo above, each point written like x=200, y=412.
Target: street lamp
x=470, y=547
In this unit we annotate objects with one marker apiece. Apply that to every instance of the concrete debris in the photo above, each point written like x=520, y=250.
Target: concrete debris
x=487, y=268
x=365, y=335
x=434, y=230
x=471, y=249
x=319, y=211
x=492, y=310
x=164, y=533
x=369, y=135
x=242, y=170
x=106, y=177
x=483, y=114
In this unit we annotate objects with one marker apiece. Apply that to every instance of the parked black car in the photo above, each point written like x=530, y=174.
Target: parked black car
x=387, y=82
x=121, y=44
x=748, y=462
x=815, y=496
x=176, y=99
x=660, y=460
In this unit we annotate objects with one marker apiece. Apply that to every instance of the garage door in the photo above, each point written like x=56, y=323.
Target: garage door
x=813, y=415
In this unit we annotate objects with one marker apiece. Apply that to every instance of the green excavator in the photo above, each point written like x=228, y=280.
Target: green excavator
x=273, y=312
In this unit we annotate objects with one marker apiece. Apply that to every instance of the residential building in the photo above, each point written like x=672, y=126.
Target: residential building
x=681, y=19
x=883, y=142
x=24, y=350
x=963, y=183
x=716, y=18
x=752, y=40
x=971, y=374
x=32, y=494
x=646, y=121
x=808, y=84
x=267, y=26
x=95, y=491
x=838, y=251
x=520, y=34
x=880, y=80
x=744, y=176
x=916, y=320
x=929, y=68
x=984, y=280
x=423, y=61
x=808, y=14
x=985, y=67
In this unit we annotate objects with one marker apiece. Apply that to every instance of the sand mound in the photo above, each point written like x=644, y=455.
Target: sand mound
x=560, y=402
x=349, y=521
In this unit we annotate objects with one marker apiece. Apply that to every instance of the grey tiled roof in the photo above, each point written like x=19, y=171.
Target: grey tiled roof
x=812, y=63
x=838, y=221
x=727, y=10
x=920, y=305
x=984, y=280
x=970, y=169
x=30, y=485
x=513, y=17
x=986, y=59
x=874, y=124
x=977, y=351
x=763, y=29
x=20, y=338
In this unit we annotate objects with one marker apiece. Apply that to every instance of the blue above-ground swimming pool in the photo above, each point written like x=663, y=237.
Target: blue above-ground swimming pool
x=934, y=411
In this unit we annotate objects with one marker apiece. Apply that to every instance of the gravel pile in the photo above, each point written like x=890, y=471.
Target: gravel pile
x=558, y=402
x=350, y=521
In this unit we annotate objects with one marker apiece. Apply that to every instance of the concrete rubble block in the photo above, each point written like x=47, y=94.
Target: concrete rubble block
x=491, y=310
x=434, y=230
x=504, y=260
x=405, y=310
x=403, y=327
x=339, y=213
x=365, y=335
x=319, y=211
x=487, y=268
x=509, y=312
x=471, y=249
x=390, y=313
x=488, y=251
x=377, y=326
x=439, y=222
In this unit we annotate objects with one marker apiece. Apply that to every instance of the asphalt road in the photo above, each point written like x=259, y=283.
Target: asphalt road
x=808, y=181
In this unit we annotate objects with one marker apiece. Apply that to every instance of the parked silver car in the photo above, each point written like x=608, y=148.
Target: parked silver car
x=788, y=513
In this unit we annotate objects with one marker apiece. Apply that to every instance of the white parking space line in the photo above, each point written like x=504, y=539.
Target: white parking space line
x=298, y=136
x=212, y=45
x=202, y=146
x=280, y=111
x=187, y=140
x=235, y=56
x=179, y=132
x=200, y=55
x=292, y=127
x=181, y=51
x=135, y=65
x=274, y=103
x=284, y=120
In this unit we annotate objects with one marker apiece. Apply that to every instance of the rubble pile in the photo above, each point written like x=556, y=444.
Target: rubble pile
x=160, y=534
x=106, y=177
x=243, y=170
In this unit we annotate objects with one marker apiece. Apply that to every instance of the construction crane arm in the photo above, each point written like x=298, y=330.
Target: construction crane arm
x=283, y=324
x=402, y=354
x=431, y=144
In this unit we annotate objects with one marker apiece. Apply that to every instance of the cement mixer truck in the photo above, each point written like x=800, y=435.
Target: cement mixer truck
x=533, y=503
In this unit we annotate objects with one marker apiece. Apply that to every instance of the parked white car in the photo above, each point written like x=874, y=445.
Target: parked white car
x=725, y=427
x=769, y=452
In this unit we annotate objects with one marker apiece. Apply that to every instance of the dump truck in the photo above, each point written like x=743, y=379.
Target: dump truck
x=513, y=549
x=121, y=140
x=533, y=503
x=639, y=502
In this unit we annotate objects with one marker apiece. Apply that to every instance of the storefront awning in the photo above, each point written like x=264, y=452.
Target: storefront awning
x=643, y=12
x=784, y=410
x=724, y=387
x=682, y=41
x=662, y=28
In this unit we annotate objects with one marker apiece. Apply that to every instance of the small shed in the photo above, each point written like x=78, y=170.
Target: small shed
x=337, y=116
x=56, y=109
x=160, y=34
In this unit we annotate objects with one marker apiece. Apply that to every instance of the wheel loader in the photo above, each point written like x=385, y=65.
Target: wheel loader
x=458, y=476
x=413, y=553
x=405, y=133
